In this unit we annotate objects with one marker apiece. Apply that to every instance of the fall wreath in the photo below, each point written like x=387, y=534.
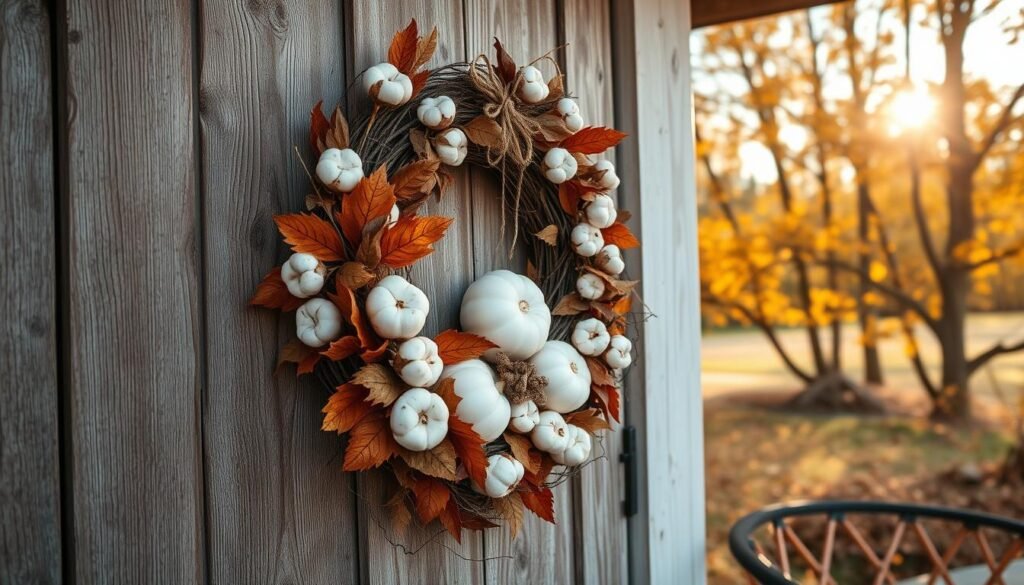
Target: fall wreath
x=474, y=424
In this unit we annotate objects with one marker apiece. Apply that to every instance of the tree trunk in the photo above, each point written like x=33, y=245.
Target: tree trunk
x=866, y=315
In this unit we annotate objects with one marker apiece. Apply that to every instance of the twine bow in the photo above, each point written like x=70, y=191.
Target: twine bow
x=521, y=380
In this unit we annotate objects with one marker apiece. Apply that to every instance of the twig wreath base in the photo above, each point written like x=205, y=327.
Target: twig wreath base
x=473, y=425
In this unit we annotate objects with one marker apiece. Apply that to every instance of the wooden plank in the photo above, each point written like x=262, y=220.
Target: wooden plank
x=134, y=333
x=542, y=553
x=658, y=177
x=30, y=550
x=444, y=276
x=709, y=12
x=280, y=509
x=601, y=551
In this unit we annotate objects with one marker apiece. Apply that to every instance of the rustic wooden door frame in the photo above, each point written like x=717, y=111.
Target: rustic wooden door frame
x=663, y=400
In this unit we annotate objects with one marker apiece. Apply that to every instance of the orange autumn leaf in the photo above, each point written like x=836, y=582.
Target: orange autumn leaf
x=342, y=348
x=456, y=346
x=431, y=498
x=318, y=126
x=346, y=407
x=620, y=235
x=451, y=520
x=416, y=178
x=307, y=364
x=469, y=447
x=373, y=197
x=541, y=502
x=623, y=305
x=402, y=52
x=411, y=238
x=607, y=398
x=370, y=443
x=309, y=234
x=345, y=299
x=537, y=478
x=593, y=140
x=272, y=293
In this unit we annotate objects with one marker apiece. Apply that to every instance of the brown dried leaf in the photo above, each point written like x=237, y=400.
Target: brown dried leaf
x=589, y=420
x=571, y=304
x=381, y=381
x=484, y=131
x=438, y=462
x=532, y=273
x=342, y=348
x=425, y=49
x=510, y=508
x=505, y=66
x=599, y=372
x=370, y=443
x=369, y=248
x=553, y=128
x=398, y=510
x=520, y=447
x=338, y=136
x=548, y=235
x=420, y=144
x=416, y=178
x=556, y=87
x=354, y=275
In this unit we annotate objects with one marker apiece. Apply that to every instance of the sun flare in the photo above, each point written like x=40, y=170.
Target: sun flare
x=910, y=110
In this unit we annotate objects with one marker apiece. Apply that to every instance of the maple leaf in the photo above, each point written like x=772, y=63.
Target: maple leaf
x=431, y=498
x=456, y=346
x=402, y=52
x=370, y=443
x=469, y=447
x=295, y=352
x=411, y=238
x=510, y=508
x=620, y=235
x=373, y=197
x=346, y=407
x=588, y=420
x=342, y=348
x=570, y=304
x=541, y=502
x=318, y=127
x=272, y=293
x=451, y=520
x=416, y=178
x=548, y=235
x=593, y=140
x=437, y=462
x=506, y=67
x=381, y=381
x=309, y=234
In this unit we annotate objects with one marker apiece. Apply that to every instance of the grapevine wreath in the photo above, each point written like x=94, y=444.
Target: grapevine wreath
x=473, y=424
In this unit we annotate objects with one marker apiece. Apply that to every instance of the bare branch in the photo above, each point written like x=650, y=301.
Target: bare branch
x=996, y=350
x=903, y=299
x=1002, y=123
x=998, y=256
x=921, y=218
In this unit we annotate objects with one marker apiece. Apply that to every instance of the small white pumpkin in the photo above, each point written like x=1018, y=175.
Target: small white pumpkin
x=525, y=417
x=503, y=475
x=339, y=169
x=590, y=336
x=482, y=405
x=590, y=286
x=551, y=433
x=586, y=239
x=396, y=308
x=387, y=85
x=559, y=165
x=533, y=88
x=577, y=451
x=451, y=146
x=609, y=180
x=317, y=322
x=508, y=309
x=567, y=374
x=303, y=274
x=618, y=355
x=601, y=212
x=419, y=419
x=609, y=259
x=569, y=111
x=417, y=362
x=436, y=113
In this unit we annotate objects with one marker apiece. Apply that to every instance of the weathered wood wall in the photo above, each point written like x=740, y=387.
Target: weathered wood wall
x=144, y=439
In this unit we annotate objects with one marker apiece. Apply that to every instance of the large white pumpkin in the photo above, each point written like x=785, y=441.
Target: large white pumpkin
x=568, y=377
x=483, y=405
x=509, y=310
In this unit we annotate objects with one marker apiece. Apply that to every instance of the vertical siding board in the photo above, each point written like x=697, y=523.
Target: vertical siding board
x=30, y=550
x=600, y=524
x=541, y=553
x=444, y=276
x=280, y=509
x=133, y=307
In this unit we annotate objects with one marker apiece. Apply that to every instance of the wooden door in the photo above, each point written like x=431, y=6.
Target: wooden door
x=144, y=437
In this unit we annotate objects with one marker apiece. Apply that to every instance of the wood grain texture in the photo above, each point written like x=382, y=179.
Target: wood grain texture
x=280, y=510
x=443, y=276
x=134, y=327
x=542, y=553
x=667, y=539
x=601, y=551
x=30, y=550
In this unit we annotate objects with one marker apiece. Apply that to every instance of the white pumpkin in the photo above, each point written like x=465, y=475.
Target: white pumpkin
x=317, y=322
x=610, y=260
x=482, y=405
x=419, y=419
x=567, y=374
x=590, y=336
x=619, y=353
x=417, y=362
x=577, y=451
x=551, y=433
x=590, y=286
x=601, y=212
x=303, y=274
x=532, y=88
x=525, y=416
x=396, y=308
x=509, y=310
x=609, y=180
x=503, y=475
x=586, y=240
